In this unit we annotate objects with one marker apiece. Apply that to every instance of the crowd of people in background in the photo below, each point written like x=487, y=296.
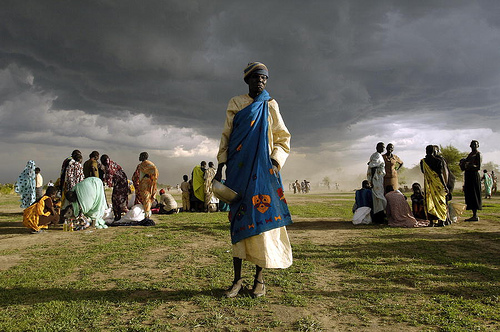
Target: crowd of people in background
x=300, y=187
x=380, y=201
x=78, y=194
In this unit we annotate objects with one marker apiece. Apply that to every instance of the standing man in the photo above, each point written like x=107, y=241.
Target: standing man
x=144, y=179
x=494, y=178
x=185, y=187
x=376, y=173
x=392, y=164
x=198, y=176
x=297, y=185
x=472, y=180
x=38, y=183
x=91, y=167
x=209, y=195
x=254, y=146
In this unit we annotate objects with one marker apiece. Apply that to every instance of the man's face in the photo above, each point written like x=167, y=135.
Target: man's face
x=257, y=83
x=390, y=148
x=380, y=148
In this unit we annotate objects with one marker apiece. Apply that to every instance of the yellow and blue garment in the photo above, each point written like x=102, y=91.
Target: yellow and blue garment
x=250, y=173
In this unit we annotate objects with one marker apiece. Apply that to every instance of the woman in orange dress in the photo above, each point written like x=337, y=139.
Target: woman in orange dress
x=42, y=213
x=144, y=179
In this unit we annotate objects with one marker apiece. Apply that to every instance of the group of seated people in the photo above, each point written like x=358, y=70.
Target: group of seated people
x=87, y=206
x=398, y=211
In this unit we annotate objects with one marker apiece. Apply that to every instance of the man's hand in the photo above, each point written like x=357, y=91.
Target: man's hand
x=218, y=175
x=276, y=168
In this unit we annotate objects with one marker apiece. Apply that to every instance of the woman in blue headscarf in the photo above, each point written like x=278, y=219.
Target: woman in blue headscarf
x=254, y=146
x=26, y=185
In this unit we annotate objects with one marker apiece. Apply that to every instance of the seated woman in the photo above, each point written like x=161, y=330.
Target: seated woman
x=398, y=210
x=418, y=202
x=88, y=198
x=363, y=205
x=42, y=213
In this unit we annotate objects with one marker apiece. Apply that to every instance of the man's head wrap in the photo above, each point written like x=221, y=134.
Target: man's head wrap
x=255, y=68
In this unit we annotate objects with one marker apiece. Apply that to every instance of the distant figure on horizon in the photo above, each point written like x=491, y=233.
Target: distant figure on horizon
x=375, y=174
x=494, y=178
x=297, y=187
x=488, y=184
x=472, y=180
x=392, y=164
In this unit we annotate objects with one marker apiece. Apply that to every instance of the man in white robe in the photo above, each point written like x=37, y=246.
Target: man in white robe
x=375, y=174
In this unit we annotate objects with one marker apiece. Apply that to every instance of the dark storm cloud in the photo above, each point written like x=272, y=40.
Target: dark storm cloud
x=174, y=64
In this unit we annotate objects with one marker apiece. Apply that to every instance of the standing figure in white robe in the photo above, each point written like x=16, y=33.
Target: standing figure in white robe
x=375, y=174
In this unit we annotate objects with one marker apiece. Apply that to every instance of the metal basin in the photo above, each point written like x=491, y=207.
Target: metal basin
x=224, y=193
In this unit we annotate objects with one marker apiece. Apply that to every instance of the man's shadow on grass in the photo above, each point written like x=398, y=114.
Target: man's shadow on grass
x=31, y=296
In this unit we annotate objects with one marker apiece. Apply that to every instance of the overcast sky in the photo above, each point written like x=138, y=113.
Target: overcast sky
x=123, y=77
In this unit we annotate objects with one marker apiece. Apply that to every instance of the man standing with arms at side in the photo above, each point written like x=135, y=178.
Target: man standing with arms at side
x=376, y=173
x=254, y=146
x=209, y=195
x=185, y=187
x=38, y=183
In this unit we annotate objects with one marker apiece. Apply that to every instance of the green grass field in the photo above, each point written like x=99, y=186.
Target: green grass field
x=170, y=277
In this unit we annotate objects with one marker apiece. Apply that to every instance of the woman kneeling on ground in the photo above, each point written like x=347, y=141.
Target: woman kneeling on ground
x=88, y=198
x=41, y=214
